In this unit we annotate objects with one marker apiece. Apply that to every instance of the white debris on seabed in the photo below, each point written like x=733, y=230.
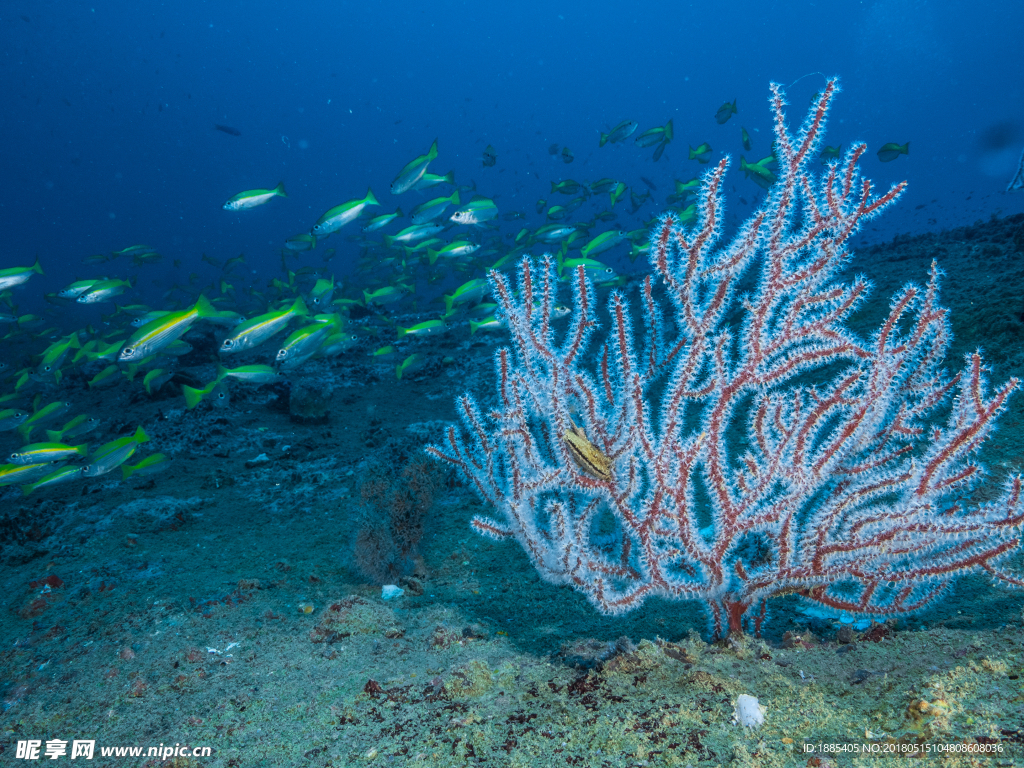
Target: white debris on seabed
x=391, y=592
x=748, y=712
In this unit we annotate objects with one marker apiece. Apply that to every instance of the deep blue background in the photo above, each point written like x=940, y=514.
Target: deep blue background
x=108, y=108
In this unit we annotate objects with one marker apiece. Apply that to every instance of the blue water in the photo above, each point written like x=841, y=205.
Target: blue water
x=108, y=110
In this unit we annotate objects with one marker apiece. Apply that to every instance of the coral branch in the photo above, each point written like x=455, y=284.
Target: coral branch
x=607, y=465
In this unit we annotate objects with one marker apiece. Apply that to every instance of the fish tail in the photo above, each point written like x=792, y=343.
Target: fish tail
x=192, y=395
x=432, y=154
x=37, y=268
x=141, y=436
x=370, y=199
x=604, y=140
x=279, y=190
x=455, y=198
x=126, y=471
x=204, y=308
x=669, y=131
x=905, y=149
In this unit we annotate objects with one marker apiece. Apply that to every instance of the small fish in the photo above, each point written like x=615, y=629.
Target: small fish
x=322, y=293
x=131, y=250
x=567, y=187
x=43, y=415
x=659, y=151
x=303, y=242
x=830, y=153
x=617, y=192
x=253, y=197
x=150, y=465
x=552, y=233
x=379, y=222
x=702, y=153
x=455, y=249
x=469, y=292
x=745, y=138
x=603, y=242
x=476, y=211
x=38, y=453
x=337, y=343
x=596, y=272
x=161, y=332
x=302, y=344
x=254, y=332
x=105, y=378
x=553, y=149
x=215, y=391
x=53, y=355
x=155, y=379
x=725, y=111
x=433, y=179
x=387, y=295
x=649, y=183
x=12, y=418
x=490, y=156
x=227, y=129
x=491, y=323
x=253, y=374
x=62, y=475
x=413, y=234
x=413, y=172
x=78, y=287
x=11, y=474
x=78, y=426
x=623, y=130
x=113, y=454
x=602, y=185
x=240, y=258
x=141, y=259
x=411, y=364
x=105, y=290
x=13, y=276
x=541, y=205
x=427, y=328
x=431, y=209
x=890, y=151
x=567, y=155
x=652, y=136
x=340, y=215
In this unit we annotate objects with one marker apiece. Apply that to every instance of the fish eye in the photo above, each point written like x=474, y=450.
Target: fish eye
x=128, y=351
